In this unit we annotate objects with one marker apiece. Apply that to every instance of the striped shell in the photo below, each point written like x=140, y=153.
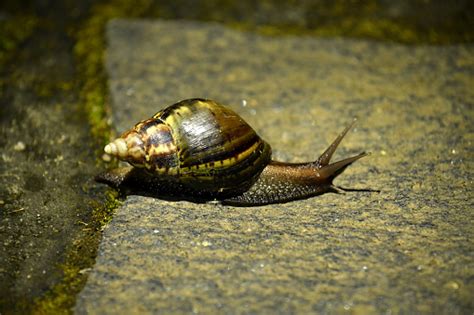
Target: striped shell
x=197, y=143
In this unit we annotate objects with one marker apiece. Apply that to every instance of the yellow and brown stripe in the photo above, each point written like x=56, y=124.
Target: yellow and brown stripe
x=160, y=150
x=213, y=143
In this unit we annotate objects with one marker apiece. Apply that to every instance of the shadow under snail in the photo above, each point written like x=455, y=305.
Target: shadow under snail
x=200, y=150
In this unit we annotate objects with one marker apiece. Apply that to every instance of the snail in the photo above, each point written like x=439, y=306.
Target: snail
x=200, y=150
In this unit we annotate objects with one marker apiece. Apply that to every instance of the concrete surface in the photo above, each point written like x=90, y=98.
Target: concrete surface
x=407, y=249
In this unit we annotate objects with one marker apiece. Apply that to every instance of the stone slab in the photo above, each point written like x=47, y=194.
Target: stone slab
x=407, y=249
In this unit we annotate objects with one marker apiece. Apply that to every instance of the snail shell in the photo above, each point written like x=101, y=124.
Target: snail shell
x=200, y=150
x=198, y=143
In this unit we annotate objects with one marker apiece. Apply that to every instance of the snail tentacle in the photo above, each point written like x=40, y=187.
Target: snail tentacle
x=327, y=170
x=324, y=159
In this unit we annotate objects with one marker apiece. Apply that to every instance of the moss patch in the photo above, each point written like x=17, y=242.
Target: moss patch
x=410, y=22
x=89, y=50
x=11, y=35
x=79, y=260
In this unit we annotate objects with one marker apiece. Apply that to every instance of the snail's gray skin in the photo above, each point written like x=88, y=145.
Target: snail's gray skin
x=200, y=150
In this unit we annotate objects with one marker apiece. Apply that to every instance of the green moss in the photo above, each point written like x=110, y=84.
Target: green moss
x=11, y=35
x=364, y=28
x=416, y=22
x=89, y=50
x=103, y=215
x=80, y=258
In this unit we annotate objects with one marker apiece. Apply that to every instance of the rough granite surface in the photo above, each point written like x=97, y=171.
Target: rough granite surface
x=408, y=249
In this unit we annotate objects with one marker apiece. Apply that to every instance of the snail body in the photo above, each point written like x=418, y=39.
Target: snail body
x=199, y=149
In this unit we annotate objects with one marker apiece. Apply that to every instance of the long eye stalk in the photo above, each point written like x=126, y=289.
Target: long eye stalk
x=327, y=170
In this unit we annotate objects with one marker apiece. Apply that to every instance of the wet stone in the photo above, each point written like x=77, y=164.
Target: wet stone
x=407, y=249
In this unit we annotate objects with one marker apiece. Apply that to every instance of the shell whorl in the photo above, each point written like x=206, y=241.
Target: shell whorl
x=149, y=144
x=127, y=146
x=197, y=143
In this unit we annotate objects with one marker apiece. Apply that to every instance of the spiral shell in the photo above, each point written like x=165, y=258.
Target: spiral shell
x=197, y=143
